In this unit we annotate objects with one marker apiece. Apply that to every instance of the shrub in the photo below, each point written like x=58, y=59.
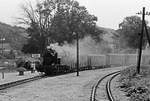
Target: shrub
x=27, y=65
x=20, y=62
x=136, y=86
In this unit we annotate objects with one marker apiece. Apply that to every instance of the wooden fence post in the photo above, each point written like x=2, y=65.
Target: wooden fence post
x=107, y=59
x=2, y=75
x=89, y=62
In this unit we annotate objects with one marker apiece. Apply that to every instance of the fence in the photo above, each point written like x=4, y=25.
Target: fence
x=108, y=59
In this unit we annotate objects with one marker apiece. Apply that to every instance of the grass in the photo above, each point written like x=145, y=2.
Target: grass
x=136, y=86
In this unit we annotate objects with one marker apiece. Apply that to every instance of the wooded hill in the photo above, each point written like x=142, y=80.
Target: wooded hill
x=13, y=35
x=17, y=37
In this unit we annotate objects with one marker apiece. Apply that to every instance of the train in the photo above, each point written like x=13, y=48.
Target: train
x=51, y=63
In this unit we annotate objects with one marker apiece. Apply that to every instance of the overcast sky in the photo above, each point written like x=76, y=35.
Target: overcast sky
x=109, y=12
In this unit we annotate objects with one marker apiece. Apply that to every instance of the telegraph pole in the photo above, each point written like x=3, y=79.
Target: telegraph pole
x=141, y=38
x=77, y=54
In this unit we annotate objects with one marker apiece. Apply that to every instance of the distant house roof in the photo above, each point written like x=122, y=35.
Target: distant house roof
x=6, y=46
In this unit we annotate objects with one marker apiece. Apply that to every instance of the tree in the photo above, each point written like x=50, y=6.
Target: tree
x=36, y=28
x=70, y=19
x=58, y=21
x=128, y=32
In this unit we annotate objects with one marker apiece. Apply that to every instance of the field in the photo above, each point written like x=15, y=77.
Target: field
x=136, y=86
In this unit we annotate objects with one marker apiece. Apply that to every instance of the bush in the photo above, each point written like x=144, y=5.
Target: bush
x=27, y=65
x=136, y=86
x=20, y=62
x=39, y=67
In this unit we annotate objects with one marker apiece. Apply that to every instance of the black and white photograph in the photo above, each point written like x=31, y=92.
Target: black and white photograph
x=74, y=50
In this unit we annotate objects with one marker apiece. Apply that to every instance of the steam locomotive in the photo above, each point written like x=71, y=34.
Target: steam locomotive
x=51, y=64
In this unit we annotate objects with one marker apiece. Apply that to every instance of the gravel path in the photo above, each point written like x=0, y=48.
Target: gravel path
x=60, y=88
x=11, y=77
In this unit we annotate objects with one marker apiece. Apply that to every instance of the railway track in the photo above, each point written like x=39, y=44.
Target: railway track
x=103, y=86
x=19, y=82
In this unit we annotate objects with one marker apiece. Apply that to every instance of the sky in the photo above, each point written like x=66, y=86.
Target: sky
x=109, y=12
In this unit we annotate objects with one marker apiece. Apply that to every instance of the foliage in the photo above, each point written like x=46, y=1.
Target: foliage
x=128, y=32
x=54, y=21
x=38, y=66
x=73, y=19
x=31, y=47
x=8, y=55
x=136, y=86
x=20, y=62
x=13, y=35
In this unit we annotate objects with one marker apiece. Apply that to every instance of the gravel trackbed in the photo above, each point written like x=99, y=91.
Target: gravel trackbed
x=59, y=88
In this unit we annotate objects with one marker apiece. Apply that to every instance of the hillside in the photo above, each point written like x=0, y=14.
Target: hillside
x=13, y=35
x=16, y=36
x=108, y=34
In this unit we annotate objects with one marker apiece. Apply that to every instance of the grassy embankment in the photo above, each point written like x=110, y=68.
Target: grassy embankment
x=136, y=86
